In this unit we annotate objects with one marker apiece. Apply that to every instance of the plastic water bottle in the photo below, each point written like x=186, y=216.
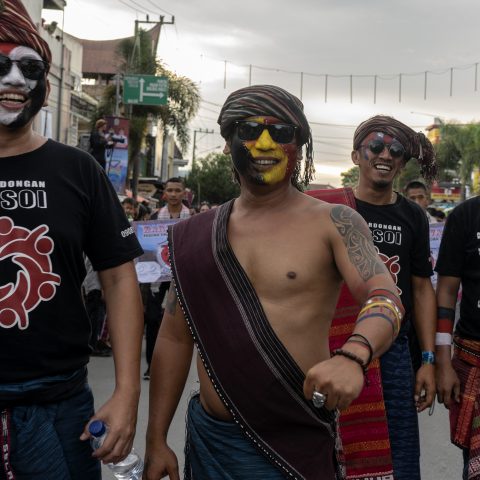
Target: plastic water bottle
x=130, y=468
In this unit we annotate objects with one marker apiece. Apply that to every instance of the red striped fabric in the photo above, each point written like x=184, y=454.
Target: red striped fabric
x=17, y=27
x=363, y=426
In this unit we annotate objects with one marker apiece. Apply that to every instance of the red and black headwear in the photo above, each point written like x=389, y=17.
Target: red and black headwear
x=16, y=26
x=416, y=144
x=269, y=100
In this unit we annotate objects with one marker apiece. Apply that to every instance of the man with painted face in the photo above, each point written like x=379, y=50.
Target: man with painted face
x=382, y=146
x=257, y=302
x=55, y=204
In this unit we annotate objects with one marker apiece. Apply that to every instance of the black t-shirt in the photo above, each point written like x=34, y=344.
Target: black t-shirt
x=401, y=234
x=459, y=256
x=55, y=203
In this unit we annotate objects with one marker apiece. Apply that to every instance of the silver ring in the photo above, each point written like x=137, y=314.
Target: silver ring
x=318, y=399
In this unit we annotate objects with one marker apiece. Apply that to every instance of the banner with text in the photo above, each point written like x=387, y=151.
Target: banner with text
x=154, y=264
x=436, y=230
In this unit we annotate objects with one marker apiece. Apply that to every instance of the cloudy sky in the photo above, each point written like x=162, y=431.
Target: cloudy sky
x=343, y=47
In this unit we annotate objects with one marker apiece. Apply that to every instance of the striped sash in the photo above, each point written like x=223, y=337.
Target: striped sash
x=254, y=375
x=363, y=426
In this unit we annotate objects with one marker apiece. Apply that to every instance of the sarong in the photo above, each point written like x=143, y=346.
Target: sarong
x=218, y=450
x=363, y=426
x=402, y=417
x=253, y=373
x=465, y=416
x=42, y=441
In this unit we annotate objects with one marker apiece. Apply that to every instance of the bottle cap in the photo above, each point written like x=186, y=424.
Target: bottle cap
x=97, y=428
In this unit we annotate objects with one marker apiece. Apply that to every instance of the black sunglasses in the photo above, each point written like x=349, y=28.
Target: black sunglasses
x=377, y=146
x=279, y=132
x=30, y=67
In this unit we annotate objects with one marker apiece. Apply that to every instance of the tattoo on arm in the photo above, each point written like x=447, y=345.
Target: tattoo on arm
x=358, y=240
x=171, y=304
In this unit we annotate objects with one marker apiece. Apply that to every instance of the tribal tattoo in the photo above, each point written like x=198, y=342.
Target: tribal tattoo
x=171, y=304
x=358, y=240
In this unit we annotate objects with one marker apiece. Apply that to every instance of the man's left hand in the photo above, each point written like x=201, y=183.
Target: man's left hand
x=119, y=413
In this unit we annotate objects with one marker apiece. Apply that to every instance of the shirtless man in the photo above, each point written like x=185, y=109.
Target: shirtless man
x=258, y=303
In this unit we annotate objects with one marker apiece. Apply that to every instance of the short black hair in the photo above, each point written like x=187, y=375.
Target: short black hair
x=175, y=180
x=416, y=184
x=130, y=201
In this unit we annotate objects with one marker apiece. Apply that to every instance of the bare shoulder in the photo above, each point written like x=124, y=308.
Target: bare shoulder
x=316, y=207
x=336, y=215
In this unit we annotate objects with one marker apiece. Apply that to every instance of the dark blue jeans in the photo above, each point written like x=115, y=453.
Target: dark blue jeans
x=45, y=440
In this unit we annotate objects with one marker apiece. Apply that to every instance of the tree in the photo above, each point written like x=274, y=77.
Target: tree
x=183, y=95
x=410, y=172
x=350, y=177
x=458, y=152
x=211, y=179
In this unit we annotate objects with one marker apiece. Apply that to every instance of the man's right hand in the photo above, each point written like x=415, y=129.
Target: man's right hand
x=161, y=463
x=448, y=383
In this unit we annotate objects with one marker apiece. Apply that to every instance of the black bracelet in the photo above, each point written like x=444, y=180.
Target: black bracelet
x=364, y=341
x=353, y=357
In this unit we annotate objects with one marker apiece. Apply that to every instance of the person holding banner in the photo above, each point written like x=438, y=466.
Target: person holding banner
x=174, y=193
x=381, y=147
x=458, y=379
x=255, y=284
x=58, y=204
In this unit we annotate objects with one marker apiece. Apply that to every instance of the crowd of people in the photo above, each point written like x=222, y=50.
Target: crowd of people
x=302, y=307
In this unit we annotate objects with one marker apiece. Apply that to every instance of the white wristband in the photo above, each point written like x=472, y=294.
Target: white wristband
x=443, y=339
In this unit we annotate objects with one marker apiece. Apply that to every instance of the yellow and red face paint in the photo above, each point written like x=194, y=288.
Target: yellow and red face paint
x=264, y=147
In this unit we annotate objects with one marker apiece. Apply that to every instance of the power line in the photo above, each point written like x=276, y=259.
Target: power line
x=211, y=103
x=161, y=9
x=145, y=10
x=129, y=6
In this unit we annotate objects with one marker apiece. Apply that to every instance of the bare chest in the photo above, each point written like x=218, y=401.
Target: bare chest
x=280, y=259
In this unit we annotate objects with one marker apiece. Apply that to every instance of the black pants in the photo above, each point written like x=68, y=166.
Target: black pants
x=153, y=318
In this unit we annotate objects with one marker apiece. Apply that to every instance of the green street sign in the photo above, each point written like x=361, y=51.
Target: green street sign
x=145, y=90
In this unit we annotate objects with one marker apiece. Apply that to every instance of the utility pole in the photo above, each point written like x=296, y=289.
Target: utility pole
x=206, y=132
x=200, y=130
x=161, y=22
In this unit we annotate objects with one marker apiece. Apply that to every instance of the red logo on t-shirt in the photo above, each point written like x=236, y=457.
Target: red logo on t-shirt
x=35, y=282
x=393, y=266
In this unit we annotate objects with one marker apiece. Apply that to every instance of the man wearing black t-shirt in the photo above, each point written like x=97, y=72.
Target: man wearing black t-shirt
x=458, y=379
x=56, y=204
x=382, y=146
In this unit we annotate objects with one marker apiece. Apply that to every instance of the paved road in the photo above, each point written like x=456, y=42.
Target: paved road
x=440, y=459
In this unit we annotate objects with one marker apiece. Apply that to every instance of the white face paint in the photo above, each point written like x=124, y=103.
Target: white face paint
x=15, y=89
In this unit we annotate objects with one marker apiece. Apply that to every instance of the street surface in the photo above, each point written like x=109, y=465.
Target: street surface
x=440, y=459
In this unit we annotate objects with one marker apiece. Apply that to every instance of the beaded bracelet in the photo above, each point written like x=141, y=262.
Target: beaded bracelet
x=362, y=340
x=353, y=357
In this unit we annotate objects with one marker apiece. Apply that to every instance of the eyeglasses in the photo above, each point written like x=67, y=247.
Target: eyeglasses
x=30, y=67
x=377, y=146
x=280, y=133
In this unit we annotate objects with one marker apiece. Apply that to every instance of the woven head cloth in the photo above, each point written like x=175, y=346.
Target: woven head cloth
x=269, y=100
x=416, y=144
x=16, y=26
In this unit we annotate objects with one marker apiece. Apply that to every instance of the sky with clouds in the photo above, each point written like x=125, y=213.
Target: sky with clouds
x=343, y=48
